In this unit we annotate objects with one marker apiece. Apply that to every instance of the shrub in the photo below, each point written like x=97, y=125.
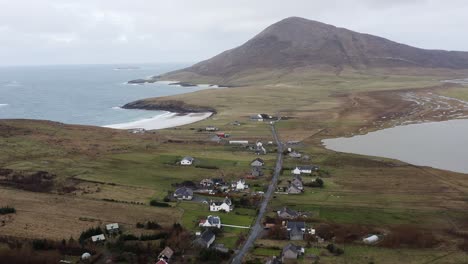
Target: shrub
x=335, y=250
x=7, y=210
x=42, y=244
x=318, y=183
x=152, y=225
x=207, y=255
x=208, y=167
x=161, y=235
x=128, y=237
x=159, y=204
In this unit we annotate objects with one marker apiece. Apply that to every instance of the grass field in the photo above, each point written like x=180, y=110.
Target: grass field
x=110, y=164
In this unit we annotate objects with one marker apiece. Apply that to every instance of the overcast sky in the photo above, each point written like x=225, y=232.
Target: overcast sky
x=134, y=31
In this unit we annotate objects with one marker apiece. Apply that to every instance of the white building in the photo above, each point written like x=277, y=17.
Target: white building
x=187, y=161
x=225, y=205
x=371, y=239
x=239, y=185
x=112, y=228
x=98, y=238
x=304, y=170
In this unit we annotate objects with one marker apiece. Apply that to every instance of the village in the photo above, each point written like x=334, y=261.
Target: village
x=222, y=208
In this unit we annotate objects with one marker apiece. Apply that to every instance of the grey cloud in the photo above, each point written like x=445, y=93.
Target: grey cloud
x=125, y=31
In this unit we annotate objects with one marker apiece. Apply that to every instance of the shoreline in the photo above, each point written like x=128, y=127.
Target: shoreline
x=166, y=120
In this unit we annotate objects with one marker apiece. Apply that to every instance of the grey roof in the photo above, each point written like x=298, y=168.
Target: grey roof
x=259, y=160
x=184, y=191
x=293, y=188
x=188, y=158
x=288, y=211
x=294, y=224
x=207, y=236
x=213, y=220
x=292, y=247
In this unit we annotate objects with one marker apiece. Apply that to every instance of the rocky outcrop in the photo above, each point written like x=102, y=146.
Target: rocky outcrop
x=174, y=106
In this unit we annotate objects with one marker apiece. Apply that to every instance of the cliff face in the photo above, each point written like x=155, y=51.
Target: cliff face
x=296, y=42
x=174, y=106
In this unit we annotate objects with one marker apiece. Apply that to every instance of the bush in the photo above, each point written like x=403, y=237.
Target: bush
x=318, y=183
x=128, y=237
x=42, y=244
x=208, y=167
x=162, y=235
x=152, y=225
x=207, y=255
x=159, y=204
x=7, y=210
x=335, y=250
x=140, y=225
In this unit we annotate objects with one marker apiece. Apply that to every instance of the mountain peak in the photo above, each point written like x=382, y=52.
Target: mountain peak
x=296, y=42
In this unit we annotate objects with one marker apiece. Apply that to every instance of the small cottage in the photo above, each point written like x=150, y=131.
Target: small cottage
x=98, y=238
x=166, y=254
x=187, y=161
x=211, y=128
x=112, y=228
x=183, y=193
x=256, y=172
x=258, y=162
x=205, y=239
x=293, y=189
x=298, y=183
x=295, y=155
x=291, y=251
x=211, y=221
x=206, y=183
x=287, y=213
x=305, y=169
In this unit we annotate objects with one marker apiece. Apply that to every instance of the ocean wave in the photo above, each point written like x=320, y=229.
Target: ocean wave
x=117, y=108
x=4, y=105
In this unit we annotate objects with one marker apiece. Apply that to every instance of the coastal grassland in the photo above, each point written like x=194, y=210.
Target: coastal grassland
x=358, y=254
x=460, y=92
x=102, y=175
x=44, y=215
x=377, y=191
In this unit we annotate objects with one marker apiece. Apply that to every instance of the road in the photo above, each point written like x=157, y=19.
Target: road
x=258, y=227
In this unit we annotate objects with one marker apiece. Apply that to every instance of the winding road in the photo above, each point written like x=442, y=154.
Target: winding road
x=257, y=227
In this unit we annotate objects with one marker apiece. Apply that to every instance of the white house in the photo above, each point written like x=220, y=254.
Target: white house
x=98, y=238
x=239, y=185
x=211, y=221
x=225, y=205
x=112, y=228
x=304, y=169
x=187, y=161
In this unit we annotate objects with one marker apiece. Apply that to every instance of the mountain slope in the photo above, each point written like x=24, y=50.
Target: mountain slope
x=297, y=43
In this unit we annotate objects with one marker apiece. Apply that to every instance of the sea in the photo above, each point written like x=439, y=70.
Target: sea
x=82, y=94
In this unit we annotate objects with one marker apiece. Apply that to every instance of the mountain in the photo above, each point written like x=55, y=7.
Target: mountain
x=296, y=42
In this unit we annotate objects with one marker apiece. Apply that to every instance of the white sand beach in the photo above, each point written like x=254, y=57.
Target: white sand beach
x=166, y=120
